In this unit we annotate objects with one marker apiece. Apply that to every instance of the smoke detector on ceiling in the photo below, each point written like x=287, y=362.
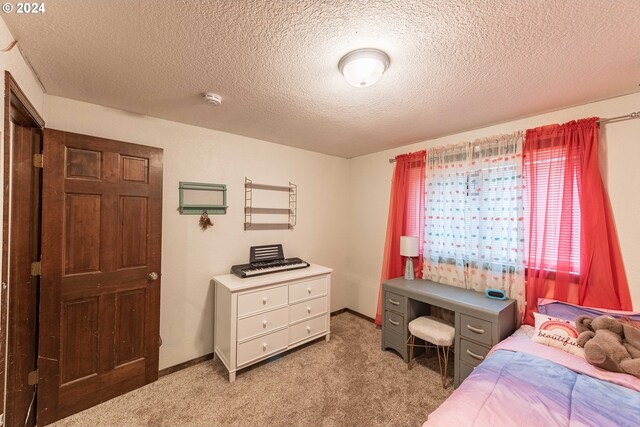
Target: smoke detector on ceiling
x=212, y=98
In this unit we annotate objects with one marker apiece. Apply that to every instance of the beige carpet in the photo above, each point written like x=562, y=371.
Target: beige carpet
x=348, y=381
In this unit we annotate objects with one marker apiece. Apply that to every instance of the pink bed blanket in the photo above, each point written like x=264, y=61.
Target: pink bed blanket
x=523, y=383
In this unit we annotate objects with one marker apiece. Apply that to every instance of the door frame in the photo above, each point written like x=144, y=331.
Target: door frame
x=17, y=104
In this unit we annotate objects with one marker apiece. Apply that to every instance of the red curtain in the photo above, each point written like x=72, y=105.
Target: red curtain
x=573, y=253
x=406, y=217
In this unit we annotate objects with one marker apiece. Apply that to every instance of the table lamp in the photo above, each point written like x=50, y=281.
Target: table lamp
x=409, y=249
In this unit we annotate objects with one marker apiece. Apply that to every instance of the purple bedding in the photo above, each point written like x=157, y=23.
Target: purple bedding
x=517, y=388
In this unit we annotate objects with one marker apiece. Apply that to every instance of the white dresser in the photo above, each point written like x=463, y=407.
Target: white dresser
x=258, y=317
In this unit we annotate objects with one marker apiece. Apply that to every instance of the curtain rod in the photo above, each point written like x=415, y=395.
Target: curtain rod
x=630, y=116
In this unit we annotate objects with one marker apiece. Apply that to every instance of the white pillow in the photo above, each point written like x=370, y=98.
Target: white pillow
x=557, y=333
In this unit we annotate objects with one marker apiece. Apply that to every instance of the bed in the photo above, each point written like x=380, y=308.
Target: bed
x=523, y=383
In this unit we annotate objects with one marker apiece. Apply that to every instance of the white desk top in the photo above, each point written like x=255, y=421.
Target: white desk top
x=235, y=283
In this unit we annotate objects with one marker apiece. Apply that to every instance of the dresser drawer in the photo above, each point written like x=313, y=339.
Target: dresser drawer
x=394, y=302
x=475, y=329
x=394, y=322
x=304, y=310
x=307, y=329
x=307, y=289
x=472, y=353
x=465, y=371
x=257, y=348
x=260, y=323
x=261, y=300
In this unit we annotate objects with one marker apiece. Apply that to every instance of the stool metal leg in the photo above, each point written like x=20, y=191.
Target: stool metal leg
x=410, y=350
x=443, y=360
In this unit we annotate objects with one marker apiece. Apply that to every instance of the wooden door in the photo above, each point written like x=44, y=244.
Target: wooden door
x=100, y=293
x=23, y=285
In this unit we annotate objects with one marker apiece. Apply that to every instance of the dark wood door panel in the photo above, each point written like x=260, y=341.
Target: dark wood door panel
x=102, y=339
x=83, y=164
x=132, y=232
x=130, y=326
x=82, y=233
x=79, y=338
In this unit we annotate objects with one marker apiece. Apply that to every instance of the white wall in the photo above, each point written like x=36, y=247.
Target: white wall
x=191, y=257
x=370, y=184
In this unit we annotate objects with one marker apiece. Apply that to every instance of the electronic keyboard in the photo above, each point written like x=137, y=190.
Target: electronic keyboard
x=265, y=260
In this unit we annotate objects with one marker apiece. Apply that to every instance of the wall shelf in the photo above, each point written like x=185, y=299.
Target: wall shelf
x=198, y=197
x=251, y=211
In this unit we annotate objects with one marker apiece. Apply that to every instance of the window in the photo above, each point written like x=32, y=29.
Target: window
x=474, y=209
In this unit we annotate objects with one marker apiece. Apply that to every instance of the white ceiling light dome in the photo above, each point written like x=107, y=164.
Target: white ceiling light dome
x=363, y=67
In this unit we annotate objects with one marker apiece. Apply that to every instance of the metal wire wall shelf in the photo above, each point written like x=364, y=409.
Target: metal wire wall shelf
x=251, y=213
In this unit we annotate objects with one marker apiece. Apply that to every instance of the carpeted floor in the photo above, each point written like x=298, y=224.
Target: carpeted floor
x=346, y=382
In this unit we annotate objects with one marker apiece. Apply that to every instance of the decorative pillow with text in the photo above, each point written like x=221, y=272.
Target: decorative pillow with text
x=557, y=333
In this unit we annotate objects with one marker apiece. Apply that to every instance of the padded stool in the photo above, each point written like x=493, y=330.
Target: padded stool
x=436, y=333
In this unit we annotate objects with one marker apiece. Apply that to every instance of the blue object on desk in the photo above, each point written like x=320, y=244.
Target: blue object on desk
x=496, y=294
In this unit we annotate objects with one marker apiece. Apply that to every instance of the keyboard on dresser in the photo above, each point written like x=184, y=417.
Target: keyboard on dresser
x=267, y=267
x=259, y=317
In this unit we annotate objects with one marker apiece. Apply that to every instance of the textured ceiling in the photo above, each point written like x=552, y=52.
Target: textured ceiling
x=455, y=65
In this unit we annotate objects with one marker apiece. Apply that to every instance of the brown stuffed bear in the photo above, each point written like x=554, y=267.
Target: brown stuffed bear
x=610, y=344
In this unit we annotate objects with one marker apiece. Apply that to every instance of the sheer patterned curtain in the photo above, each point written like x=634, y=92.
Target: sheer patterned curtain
x=474, y=232
x=445, y=206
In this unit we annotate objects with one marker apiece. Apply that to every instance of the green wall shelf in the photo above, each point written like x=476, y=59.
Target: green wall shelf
x=198, y=197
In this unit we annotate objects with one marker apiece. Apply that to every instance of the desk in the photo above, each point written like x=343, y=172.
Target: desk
x=480, y=322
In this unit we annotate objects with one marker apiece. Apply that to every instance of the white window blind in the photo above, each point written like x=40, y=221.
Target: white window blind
x=552, y=219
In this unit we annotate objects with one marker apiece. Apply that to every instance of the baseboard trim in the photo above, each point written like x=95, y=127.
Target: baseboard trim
x=355, y=313
x=192, y=362
x=184, y=365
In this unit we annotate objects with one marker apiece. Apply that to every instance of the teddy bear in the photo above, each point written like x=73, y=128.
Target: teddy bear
x=610, y=344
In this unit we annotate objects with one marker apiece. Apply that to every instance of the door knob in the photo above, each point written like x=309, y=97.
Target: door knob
x=153, y=276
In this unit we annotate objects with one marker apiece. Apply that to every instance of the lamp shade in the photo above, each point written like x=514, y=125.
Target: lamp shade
x=408, y=246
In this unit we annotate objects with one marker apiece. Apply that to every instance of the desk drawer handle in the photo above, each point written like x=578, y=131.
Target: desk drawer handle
x=475, y=356
x=394, y=302
x=394, y=323
x=476, y=330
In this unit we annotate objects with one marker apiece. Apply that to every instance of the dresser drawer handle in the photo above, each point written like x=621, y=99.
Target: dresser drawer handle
x=264, y=346
x=309, y=290
x=476, y=330
x=264, y=323
x=309, y=310
x=475, y=356
x=394, y=302
x=264, y=300
x=394, y=323
x=308, y=329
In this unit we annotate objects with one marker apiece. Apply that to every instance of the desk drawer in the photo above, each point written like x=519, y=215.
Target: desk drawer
x=260, y=323
x=394, y=322
x=255, y=302
x=396, y=342
x=304, y=310
x=394, y=302
x=472, y=353
x=307, y=289
x=475, y=329
x=465, y=371
x=261, y=347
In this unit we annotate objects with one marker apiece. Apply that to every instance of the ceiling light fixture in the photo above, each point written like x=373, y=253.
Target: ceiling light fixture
x=363, y=67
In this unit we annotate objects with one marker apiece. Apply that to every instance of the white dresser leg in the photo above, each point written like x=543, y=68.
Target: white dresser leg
x=232, y=377
x=327, y=337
